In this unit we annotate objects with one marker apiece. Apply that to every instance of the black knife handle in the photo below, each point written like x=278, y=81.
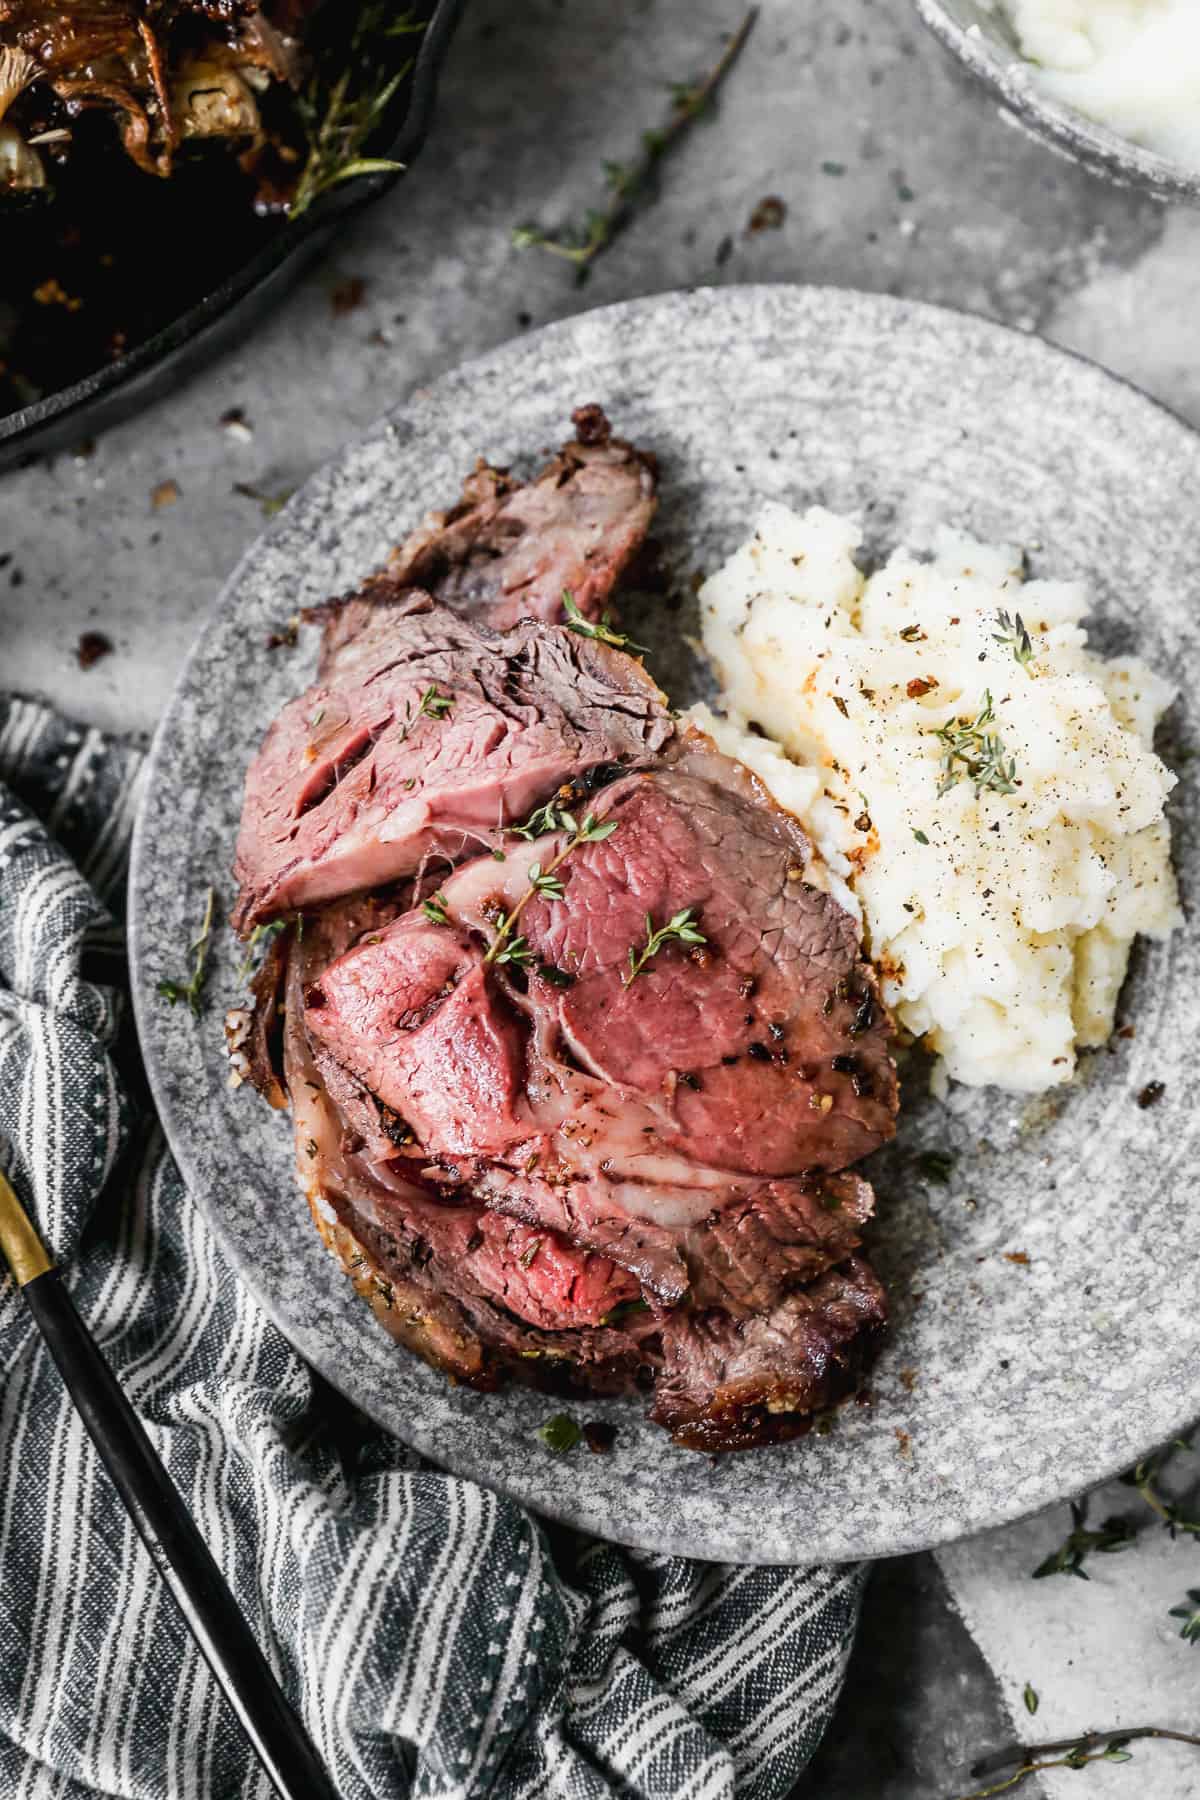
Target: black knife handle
x=177, y=1549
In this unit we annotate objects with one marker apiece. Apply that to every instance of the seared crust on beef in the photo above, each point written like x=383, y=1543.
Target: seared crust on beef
x=509, y=550
x=733, y=1384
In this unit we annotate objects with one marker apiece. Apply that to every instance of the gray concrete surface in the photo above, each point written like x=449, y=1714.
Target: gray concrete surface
x=895, y=177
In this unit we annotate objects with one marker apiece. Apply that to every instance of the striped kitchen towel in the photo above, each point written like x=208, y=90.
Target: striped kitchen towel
x=438, y=1640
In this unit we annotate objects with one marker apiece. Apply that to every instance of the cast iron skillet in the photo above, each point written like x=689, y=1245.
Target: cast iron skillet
x=241, y=299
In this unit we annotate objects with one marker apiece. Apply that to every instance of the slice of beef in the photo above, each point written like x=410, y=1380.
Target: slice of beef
x=472, y=1291
x=736, y=1383
x=508, y=550
x=425, y=736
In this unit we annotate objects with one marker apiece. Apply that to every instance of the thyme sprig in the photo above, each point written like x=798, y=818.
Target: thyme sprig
x=1019, y=1761
x=435, y=909
x=972, y=753
x=339, y=117
x=603, y=630
x=1014, y=636
x=431, y=705
x=629, y=183
x=192, y=989
x=681, y=929
x=1113, y=1534
x=504, y=947
x=262, y=935
x=541, y=821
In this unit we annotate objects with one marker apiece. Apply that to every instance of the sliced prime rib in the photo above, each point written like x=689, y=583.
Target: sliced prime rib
x=475, y=1292
x=765, y=1044
x=426, y=735
x=635, y=1122
x=509, y=549
x=547, y=1166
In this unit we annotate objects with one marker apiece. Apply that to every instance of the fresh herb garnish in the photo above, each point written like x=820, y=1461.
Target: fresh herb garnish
x=269, y=505
x=431, y=705
x=547, y=885
x=262, y=934
x=192, y=989
x=681, y=929
x=1113, y=1535
x=1189, y=1631
x=973, y=753
x=505, y=948
x=920, y=837
x=435, y=909
x=625, y=1309
x=1013, y=635
x=628, y=183
x=603, y=630
x=545, y=819
x=560, y=1433
x=340, y=116
x=560, y=978
x=1030, y=1698
x=1018, y=1763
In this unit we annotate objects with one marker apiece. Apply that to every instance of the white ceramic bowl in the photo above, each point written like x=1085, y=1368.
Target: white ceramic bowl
x=980, y=37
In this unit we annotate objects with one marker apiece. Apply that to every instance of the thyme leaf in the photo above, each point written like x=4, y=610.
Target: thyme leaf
x=629, y=183
x=602, y=630
x=264, y=935
x=192, y=989
x=681, y=929
x=547, y=885
x=509, y=950
x=937, y=1165
x=1189, y=1612
x=1013, y=635
x=545, y=819
x=973, y=753
x=560, y=1433
x=435, y=909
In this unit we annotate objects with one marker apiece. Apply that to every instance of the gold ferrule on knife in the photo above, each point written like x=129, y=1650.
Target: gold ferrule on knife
x=24, y=1250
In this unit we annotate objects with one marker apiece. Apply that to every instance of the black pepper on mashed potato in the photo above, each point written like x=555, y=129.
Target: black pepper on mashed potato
x=981, y=786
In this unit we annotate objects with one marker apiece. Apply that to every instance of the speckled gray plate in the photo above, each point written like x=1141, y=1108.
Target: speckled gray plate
x=1006, y=1383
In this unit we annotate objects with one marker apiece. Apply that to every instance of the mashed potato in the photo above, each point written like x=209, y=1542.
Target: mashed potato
x=992, y=810
x=1131, y=64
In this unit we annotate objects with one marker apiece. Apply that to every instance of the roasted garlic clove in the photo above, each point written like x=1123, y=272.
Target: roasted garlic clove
x=208, y=100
